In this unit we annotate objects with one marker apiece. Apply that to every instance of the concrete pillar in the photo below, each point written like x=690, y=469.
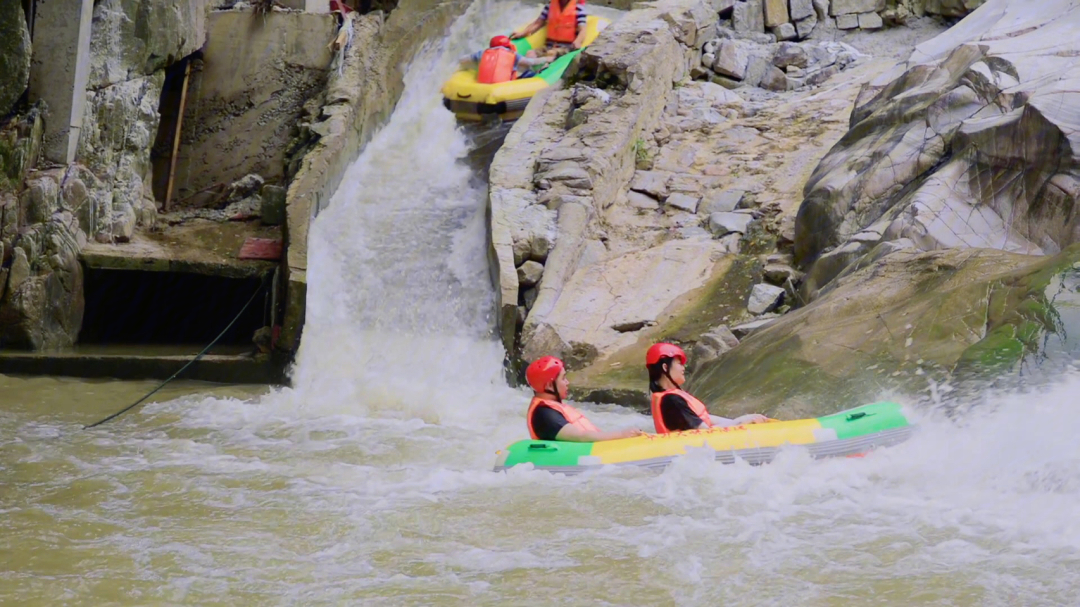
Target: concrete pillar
x=309, y=6
x=59, y=71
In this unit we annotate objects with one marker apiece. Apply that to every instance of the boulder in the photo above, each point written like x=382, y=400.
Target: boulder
x=40, y=199
x=748, y=17
x=15, y=51
x=732, y=58
x=848, y=7
x=942, y=315
x=801, y=9
x=653, y=183
x=764, y=298
x=805, y=27
x=780, y=274
x=776, y=12
x=969, y=145
x=774, y=79
x=847, y=22
x=725, y=201
x=791, y=54
x=641, y=201
x=720, y=339
x=870, y=21
x=725, y=223
x=952, y=8
x=530, y=273
x=684, y=202
x=42, y=306
x=718, y=96
x=785, y=31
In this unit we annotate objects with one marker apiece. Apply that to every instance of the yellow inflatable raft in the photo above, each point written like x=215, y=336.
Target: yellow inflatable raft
x=470, y=100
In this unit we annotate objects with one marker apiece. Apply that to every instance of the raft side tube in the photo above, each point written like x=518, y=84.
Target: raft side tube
x=848, y=433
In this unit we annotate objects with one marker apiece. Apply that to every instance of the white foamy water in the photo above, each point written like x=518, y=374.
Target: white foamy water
x=369, y=482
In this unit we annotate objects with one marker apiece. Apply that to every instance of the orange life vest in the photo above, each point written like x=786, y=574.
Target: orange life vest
x=562, y=22
x=695, y=405
x=496, y=65
x=573, y=417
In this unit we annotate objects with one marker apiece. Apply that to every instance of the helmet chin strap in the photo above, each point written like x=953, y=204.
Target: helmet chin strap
x=555, y=391
x=677, y=385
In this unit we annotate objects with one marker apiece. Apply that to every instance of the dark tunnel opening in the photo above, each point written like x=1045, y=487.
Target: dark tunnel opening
x=126, y=307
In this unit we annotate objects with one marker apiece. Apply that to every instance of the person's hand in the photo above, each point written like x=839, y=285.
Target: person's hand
x=752, y=418
x=631, y=433
x=514, y=35
x=575, y=45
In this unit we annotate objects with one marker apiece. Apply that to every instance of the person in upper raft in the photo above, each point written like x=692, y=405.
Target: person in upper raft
x=549, y=418
x=565, y=21
x=674, y=409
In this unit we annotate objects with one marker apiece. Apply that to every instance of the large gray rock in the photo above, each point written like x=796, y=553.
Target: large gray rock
x=892, y=325
x=42, y=306
x=725, y=223
x=776, y=12
x=530, y=273
x=134, y=38
x=801, y=9
x=748, y=16
x=732, y=58
x=724, y=201
x=953, y=8
x=118, y=131
x=847, y=7
x=764, y=298
x=14, y=54
x=976, y=144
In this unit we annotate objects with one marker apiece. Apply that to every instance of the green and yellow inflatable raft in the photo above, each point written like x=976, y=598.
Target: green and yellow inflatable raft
x=849, y=433
x=471, y=101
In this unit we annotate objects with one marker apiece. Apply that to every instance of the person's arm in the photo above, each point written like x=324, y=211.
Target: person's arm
x=571, y=434
x=582, y=28
x=531, y=28
x=469, y=58
x=531, y=61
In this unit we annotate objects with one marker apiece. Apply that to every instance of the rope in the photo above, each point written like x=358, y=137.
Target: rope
x=184, y=368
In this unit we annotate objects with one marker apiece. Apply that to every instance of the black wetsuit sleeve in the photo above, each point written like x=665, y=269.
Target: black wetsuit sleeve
x=677, y=414
x=547, y=422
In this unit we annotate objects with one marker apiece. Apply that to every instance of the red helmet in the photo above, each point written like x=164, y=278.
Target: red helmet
x=542, y=372
x=663, y=350
x=503, y=41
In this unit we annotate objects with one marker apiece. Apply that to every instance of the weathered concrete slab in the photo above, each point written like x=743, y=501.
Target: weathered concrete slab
x=245, y=101
x=225, y=369
x=201, y=248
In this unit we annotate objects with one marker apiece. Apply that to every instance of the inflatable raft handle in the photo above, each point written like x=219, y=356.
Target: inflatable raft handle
x=854, y=416
x=542, y=447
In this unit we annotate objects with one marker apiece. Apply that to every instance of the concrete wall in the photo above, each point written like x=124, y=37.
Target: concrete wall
x=59, y=71
x=243, y=103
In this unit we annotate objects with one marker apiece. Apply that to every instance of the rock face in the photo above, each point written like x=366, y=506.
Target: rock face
x=14, y=55
x=131, y=43
x=120, y=157
x=134, y=38
x=943, y=315
x=974, y=144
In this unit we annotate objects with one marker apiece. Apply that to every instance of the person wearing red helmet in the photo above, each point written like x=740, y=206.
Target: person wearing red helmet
x=500, y=62
x=674, y=409
x=549, y=418
x=565, y=21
